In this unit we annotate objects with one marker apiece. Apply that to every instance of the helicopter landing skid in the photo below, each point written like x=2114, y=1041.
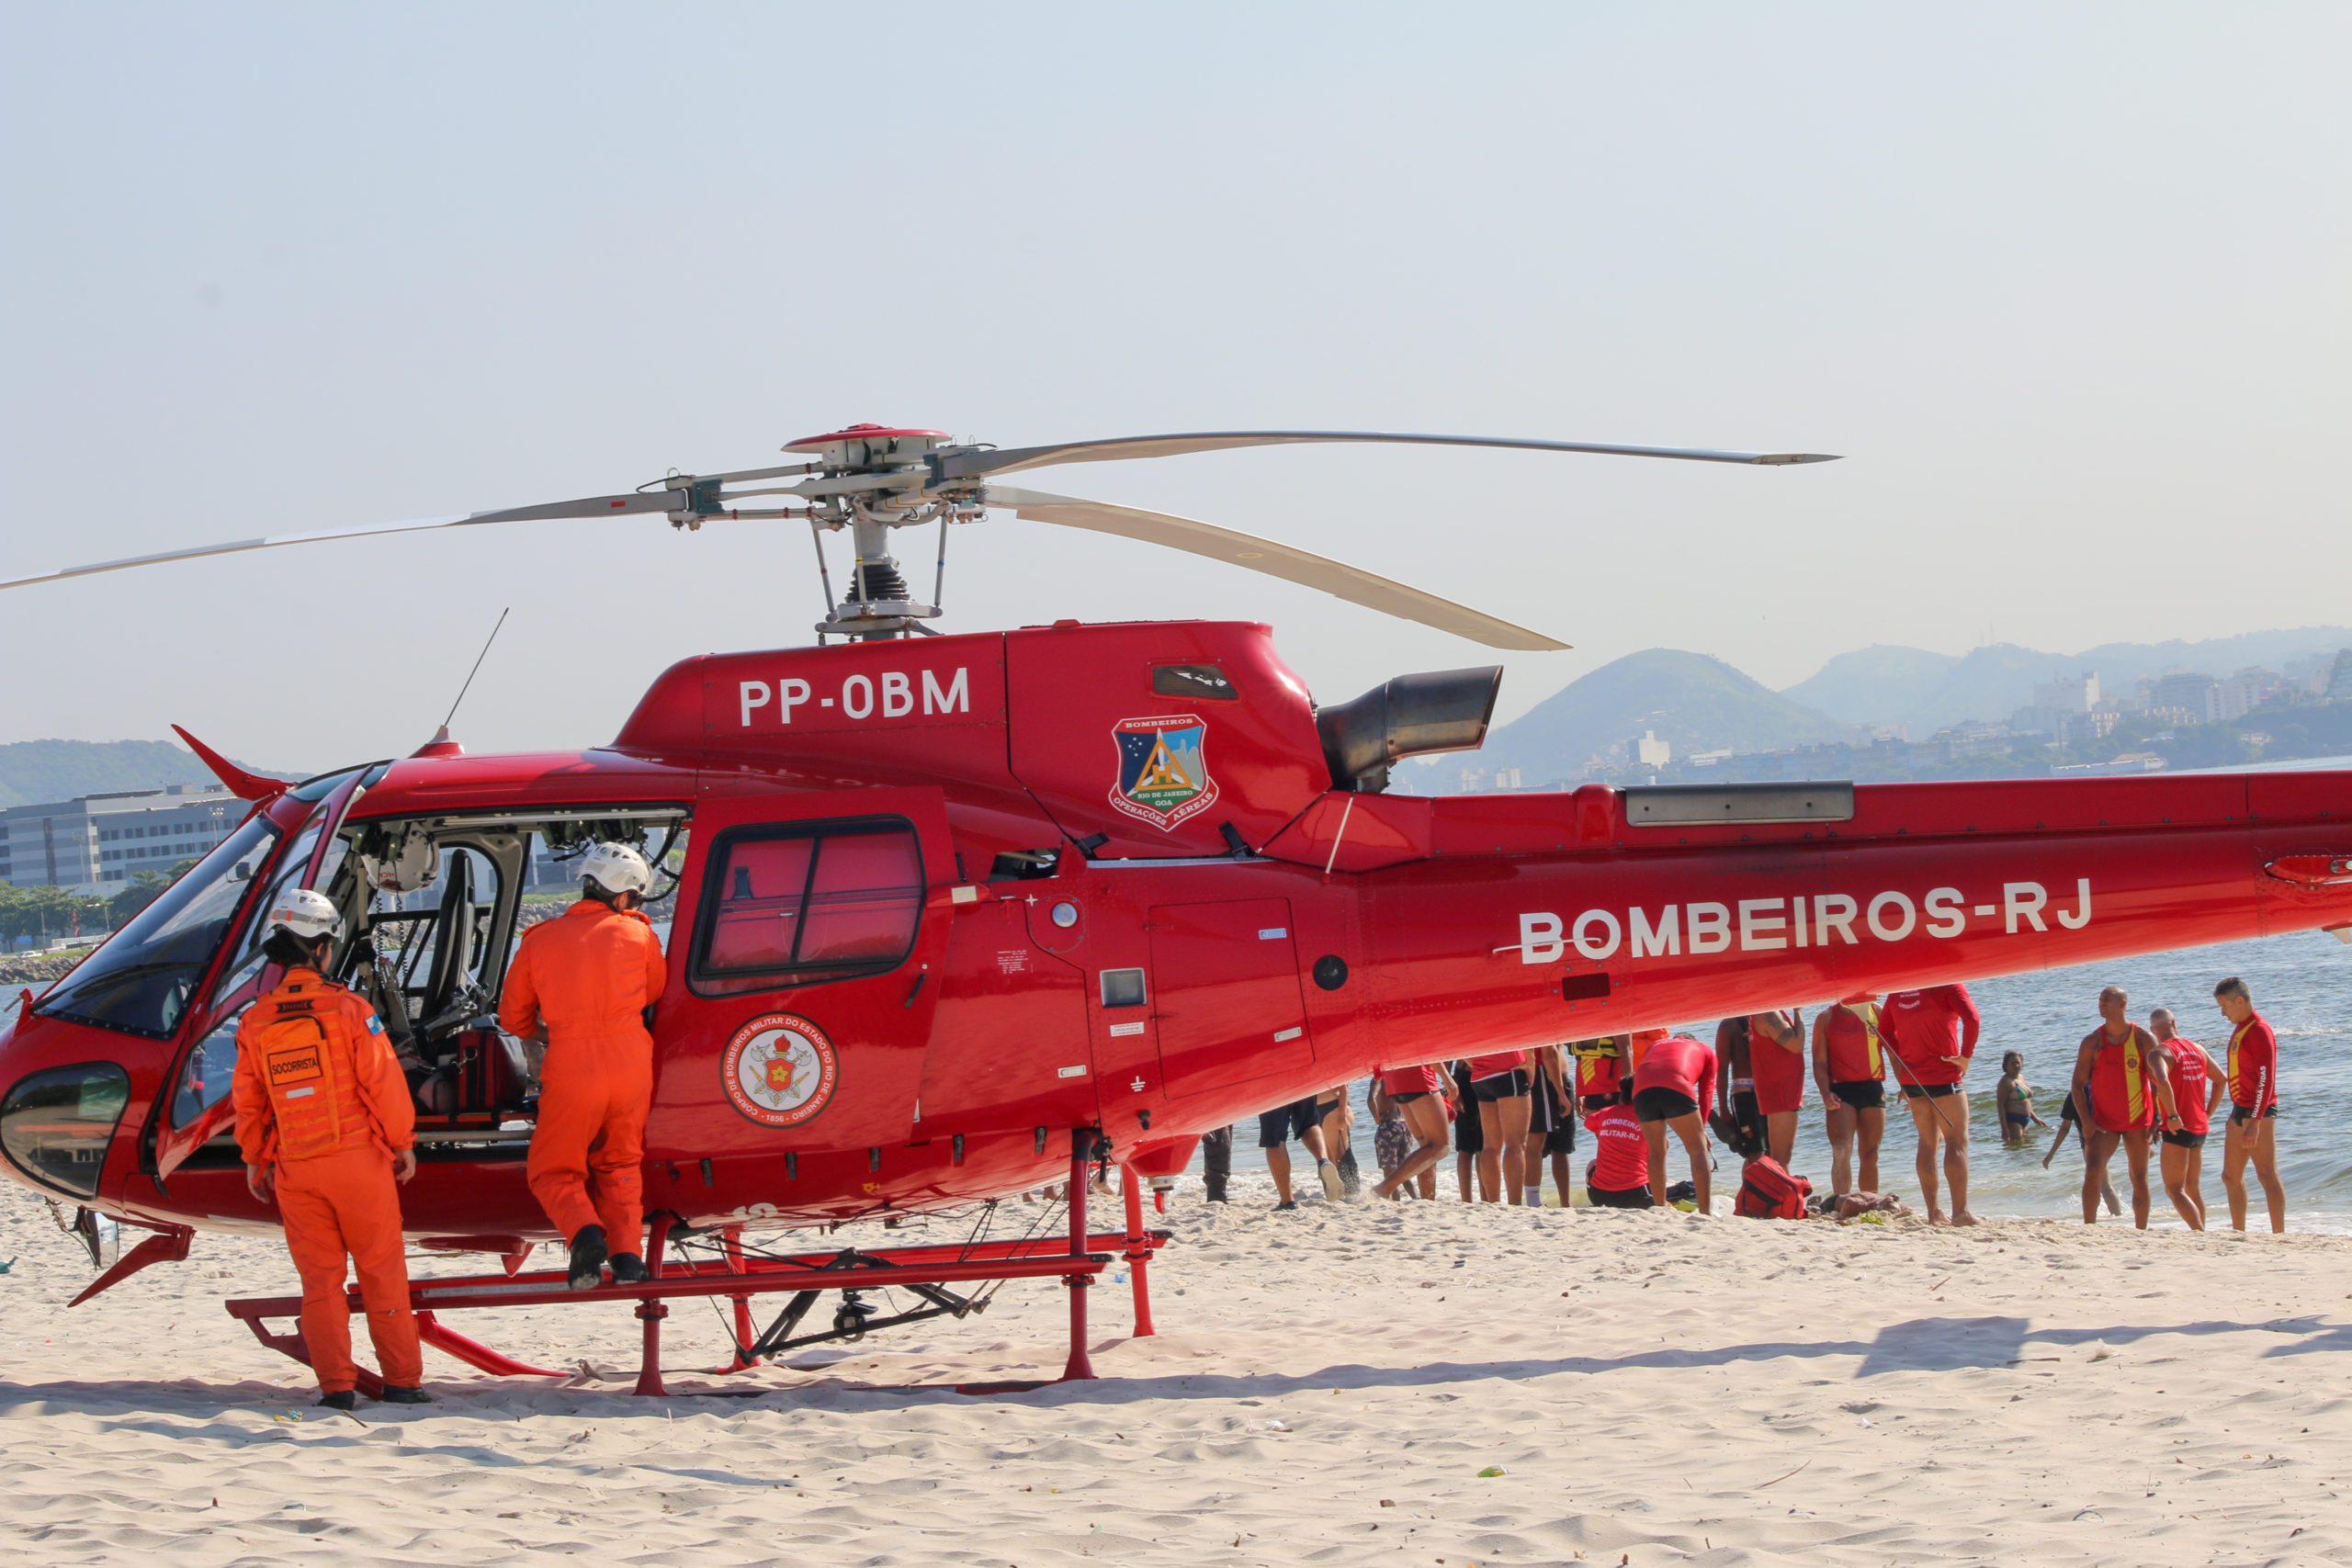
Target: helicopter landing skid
x=925, y=1271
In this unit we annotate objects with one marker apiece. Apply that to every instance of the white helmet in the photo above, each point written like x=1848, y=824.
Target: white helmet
x=306, y=912
x=616, y=868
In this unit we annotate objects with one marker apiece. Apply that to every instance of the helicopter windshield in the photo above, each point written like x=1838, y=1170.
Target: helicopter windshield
x=141, y=980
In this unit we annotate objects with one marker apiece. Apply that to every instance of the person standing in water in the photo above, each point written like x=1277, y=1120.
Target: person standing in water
x=2195, y=1088
x=1849, y=1068
x=1933, y=1033
x=2254, y=1106
x=2013, y=1101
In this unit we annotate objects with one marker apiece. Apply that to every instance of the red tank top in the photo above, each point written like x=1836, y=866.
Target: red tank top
x=1856, y=1050
x=2123, y=1094
x=1779, y=1072
x=1495, y=1066
x=2190, y=1072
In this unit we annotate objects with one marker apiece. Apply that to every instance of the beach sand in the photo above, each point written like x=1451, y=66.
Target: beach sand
x=1328, y=1386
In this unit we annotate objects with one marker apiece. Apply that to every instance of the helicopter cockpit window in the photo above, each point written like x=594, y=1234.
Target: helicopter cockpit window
x=141, y=981
x=211, y=1062
x=794, y=904
x=245, y=959
x=56, y=1126
x=1206, y=681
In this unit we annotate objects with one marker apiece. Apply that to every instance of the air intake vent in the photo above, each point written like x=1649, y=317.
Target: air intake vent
x=1691, y=805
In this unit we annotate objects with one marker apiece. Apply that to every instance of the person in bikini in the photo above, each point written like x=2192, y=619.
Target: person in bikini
x=2124, y=1094
x=1933, y=1033
x=2196, y=1090
x=2254, y=1106
x=2013, y=1098
x=1667, y=1085
x=1416, y=1092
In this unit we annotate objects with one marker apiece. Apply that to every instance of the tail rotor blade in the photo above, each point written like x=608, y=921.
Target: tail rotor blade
x=1246, y=550
x=978, y=462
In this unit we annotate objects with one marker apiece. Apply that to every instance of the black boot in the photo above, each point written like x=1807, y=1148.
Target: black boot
x=395, y=1394
x=340, y=1399
x=628, y=1268
x=587, y=1258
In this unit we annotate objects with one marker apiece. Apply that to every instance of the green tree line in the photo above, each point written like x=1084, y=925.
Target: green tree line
x=46, y=913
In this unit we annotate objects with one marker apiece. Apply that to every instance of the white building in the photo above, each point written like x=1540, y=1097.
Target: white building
x=2069, y=693
x=96, y=843
x=1653, y=752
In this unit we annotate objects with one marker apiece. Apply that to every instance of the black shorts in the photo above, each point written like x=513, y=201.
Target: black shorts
x=1658, y=1103
x=1545, y=1113
x=2069, y=1111
x=1863, y=1094
x=1500, y=1086
x=1549, y=1114
x=1619, y=1197
x=2242, y=1114
x=1284, y=1123
x=1469, y=1137
x=1928, y=1090
x=1406, y=1096
x=2186, y=1140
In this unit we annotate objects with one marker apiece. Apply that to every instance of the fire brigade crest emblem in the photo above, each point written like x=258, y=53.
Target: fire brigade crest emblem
x=1163, y=769
x=779, y=1069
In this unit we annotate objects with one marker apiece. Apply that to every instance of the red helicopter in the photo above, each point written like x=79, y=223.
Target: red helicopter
x=959, y=916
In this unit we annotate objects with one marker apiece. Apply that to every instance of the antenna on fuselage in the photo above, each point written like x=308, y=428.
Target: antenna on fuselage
x=442, y=737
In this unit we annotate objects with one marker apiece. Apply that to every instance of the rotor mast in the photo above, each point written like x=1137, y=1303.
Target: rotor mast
x=870, y=480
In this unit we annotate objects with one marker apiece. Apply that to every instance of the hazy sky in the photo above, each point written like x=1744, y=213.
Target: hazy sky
x=2068, y=285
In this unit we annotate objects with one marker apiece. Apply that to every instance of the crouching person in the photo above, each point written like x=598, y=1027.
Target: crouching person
x=326, y=1125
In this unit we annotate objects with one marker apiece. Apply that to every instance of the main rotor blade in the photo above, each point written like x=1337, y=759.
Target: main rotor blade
x=591, y=506
x=1247, y=550
x=970, y=464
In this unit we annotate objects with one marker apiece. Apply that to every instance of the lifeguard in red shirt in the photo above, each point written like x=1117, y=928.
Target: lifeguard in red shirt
x=1674, y=1073
x=2254, y=1106
x=2122, y=1093
x=2196, y=1088
x=1850, y=1067
x=1933, y=1033
x=1620, y=1174
x=1776, y=1057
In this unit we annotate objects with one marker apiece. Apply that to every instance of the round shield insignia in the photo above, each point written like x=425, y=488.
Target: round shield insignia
x=779, y=1069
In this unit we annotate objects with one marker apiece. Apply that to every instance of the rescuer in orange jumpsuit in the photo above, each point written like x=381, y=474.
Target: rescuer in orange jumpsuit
x=582, y=985
x=324, y=1119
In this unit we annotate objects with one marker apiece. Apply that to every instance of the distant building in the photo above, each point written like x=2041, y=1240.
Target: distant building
x=1653, y=752
x=96, y=843
x=2079, y=728
x=1973, y=739
x=2069, y=693
x=2339, y=678
x=2199, y=695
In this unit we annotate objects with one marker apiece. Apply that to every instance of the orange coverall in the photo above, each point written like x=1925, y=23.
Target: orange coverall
x=589, y=975
x=320, y=1097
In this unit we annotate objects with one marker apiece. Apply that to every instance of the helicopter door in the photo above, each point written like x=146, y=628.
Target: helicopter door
x=1230, y=1008
x=200, y=1109
x=804, y=965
